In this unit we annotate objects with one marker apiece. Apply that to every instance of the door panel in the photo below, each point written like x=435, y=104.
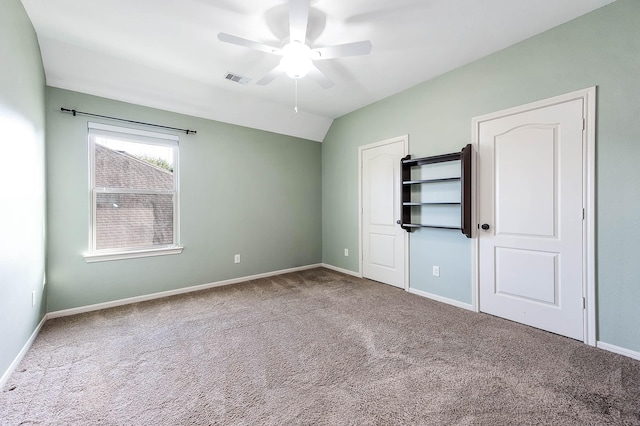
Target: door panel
x=383, y=245
x=534, y=214
x=381, y=176
x=530, y=195
x=527, y=274
x=381, y=249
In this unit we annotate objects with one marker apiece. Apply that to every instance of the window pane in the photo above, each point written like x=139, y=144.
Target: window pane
x=133, y=220
x=121, y=164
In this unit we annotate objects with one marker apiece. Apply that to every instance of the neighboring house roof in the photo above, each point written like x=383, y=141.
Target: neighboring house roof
x=117, y=169
x=131, y=220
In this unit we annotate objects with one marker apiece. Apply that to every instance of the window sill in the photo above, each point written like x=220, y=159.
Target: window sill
x=104, y=257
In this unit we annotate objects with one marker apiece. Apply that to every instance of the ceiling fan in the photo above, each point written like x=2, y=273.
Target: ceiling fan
x=297, y=55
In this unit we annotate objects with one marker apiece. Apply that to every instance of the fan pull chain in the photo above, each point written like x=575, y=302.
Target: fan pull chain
x=296, y=107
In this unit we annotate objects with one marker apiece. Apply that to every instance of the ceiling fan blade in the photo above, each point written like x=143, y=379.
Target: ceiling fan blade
x=318, y=76
x=341, y=50
x=298, y=20
x=228, y=38
x=271, y=75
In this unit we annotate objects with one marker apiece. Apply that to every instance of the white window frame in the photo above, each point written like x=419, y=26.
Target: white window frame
x=133, y=135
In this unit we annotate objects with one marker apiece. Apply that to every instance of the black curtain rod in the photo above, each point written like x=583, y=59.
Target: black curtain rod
x=74, y=112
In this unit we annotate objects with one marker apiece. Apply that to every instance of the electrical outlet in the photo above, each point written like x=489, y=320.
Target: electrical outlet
x=236, y=258
x=346, y=252
x=436, y=271
x=33, y=298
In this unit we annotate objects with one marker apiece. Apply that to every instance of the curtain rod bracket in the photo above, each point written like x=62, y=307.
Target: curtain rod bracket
x=75, y=113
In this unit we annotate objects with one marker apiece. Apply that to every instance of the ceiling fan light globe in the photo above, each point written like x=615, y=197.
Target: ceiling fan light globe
x=296, y=59
x=296, y=67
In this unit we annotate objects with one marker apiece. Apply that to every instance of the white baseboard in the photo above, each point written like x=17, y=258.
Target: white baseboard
x=22, y=353
x=343, y=271
x=446, y=300
x=160, y=295
x=618, y=350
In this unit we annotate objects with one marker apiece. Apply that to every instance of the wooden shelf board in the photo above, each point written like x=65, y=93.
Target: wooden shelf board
x=415, y=225
x=434, y=203
x=416, y=182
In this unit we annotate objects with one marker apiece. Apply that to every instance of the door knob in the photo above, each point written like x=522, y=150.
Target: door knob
x=485, y=226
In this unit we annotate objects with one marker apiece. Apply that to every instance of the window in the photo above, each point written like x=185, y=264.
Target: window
x=134, y=193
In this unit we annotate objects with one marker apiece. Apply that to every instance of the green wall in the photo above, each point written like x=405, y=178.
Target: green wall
x=241, y=190
x=22, y=181
x=599, y=49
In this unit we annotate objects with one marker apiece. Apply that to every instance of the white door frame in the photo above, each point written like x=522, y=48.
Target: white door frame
x=361, y=149
x=588, y=184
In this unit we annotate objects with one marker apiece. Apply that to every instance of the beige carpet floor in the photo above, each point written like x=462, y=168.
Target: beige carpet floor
x=312, y=348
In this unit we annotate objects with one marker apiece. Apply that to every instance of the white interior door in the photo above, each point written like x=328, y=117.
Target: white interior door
x=383, y=240
x=531, y=202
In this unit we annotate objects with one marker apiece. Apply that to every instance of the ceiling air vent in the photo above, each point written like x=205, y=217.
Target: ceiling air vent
x=237, y=78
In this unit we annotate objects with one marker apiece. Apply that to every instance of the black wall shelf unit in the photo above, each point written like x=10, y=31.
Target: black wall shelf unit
x=417, y=192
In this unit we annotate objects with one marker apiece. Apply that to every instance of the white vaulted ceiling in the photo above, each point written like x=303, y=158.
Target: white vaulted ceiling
x=165, y=53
